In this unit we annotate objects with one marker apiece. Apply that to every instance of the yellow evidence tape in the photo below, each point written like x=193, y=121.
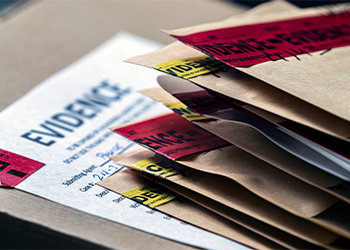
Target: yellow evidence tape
x=158, y=166
x=185, y=111
x=191, y=67
x=149, y=196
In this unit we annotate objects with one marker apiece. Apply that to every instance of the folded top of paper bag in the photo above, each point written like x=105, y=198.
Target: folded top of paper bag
x=310, y=51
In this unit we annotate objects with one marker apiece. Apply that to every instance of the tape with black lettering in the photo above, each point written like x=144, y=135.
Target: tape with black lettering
x=149, y=196
x=186, y=112
x=159, y=166
x=191, y=67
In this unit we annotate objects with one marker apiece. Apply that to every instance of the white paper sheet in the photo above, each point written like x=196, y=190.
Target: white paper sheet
x=55, y=124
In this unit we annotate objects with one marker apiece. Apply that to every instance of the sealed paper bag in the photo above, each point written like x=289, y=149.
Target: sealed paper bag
x=235, y=196
x=324, y=151
x=335, y=149
x=256, y=144
x=182, y=61
x=275, y=186
x=284, y=239
x=138, y=189
x=263, y=180
x=302, y=52
x=160, y=167
x=320, y=120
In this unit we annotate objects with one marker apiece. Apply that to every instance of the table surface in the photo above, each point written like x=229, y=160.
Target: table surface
x=40, y=39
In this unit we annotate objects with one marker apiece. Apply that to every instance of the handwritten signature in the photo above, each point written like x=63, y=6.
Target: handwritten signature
x=110, y=152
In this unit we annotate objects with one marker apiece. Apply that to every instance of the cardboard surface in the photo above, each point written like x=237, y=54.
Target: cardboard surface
x=44, y=37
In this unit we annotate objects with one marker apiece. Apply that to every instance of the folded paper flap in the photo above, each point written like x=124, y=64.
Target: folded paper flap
x=245, y=201
x=288, y=163
x=250, y=140
x=279, y=236
x=235, y=196
x=159, y=94
x=124, y=184
x=253, y=142
x=324, y=84
x=253, y=91
x=203, y=218
x=264, y=96
x=320, y=78
x=176, y=85
x=263, y=179
x=257, y=176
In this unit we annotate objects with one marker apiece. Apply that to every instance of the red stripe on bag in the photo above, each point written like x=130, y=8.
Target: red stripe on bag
x=172, y=136
x=252, y=44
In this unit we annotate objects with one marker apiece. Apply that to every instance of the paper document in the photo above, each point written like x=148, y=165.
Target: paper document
x=63, y=123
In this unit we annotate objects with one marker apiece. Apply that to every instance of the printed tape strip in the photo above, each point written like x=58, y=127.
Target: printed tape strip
x=149, y=196
x=159, y=166
x=191, y=67
x=186, y=112
x=171, y=136
x=252, y=44
x=15, y=168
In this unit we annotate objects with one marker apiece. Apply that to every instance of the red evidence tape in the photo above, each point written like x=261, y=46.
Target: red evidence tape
x=252, y=44
x=171, y=136
x=15, y=168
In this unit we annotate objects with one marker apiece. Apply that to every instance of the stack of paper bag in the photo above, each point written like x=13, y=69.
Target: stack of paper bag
x=256, y=147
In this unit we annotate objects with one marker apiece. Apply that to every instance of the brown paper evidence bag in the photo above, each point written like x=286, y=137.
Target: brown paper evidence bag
x=232, y=194
x=284, y=239
x=227, y=193
x=258, y=145
x=306, y=98
x=190, y=212
x=322, y=79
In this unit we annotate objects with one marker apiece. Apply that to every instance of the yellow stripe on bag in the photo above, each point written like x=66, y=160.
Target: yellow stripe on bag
x=149, y=196
x=158, y=166
x=191, y=67
x=185, y=111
